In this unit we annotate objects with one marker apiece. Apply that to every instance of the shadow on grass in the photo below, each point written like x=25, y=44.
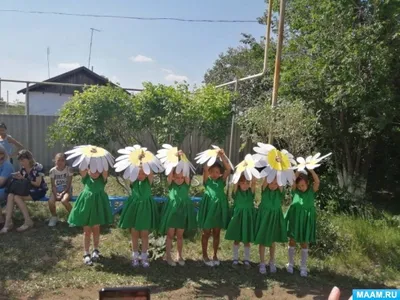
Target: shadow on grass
x=227, y=282
x=35, y=252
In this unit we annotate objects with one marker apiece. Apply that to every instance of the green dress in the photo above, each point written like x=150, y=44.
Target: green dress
x=178, y=212
x=270, y=223
x=92, y=207
x=301, y=217
x=140, y=211
x=213, y=208
x=241, y=226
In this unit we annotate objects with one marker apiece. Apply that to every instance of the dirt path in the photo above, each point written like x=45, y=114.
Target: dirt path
x=197, y=292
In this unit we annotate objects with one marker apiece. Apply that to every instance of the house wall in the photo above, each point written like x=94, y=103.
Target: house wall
x=46, y=104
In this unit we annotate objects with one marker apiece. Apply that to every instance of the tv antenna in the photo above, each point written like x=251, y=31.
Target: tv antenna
x=91, y=41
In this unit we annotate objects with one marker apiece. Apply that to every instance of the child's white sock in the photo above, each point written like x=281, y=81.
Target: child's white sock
x=247, y=253
x=135, y=254
x=304, y=256
x=235, y=252
x=291, y=251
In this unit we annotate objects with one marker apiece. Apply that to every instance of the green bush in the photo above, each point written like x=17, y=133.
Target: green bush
x=335, y=200
x=329, y=239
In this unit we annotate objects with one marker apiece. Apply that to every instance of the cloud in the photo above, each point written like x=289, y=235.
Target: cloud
x=68, y=66
x=167, y=71
x=141, y=59
x=173, y=77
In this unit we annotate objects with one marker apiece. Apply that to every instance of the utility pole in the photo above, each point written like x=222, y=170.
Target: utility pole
x=91, y=41
x=278, y=60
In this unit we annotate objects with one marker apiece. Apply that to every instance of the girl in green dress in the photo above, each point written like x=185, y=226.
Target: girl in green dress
x=214, y=209
x=301, y=219
x=178, y=215
x=92, y=209
x=140, y=215
x=241, y=226
x=270, y=223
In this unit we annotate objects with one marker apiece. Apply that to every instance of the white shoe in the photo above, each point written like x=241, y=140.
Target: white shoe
x=208, y=263
x=272, y=268
x=95, y=255
x=87, y=260
x=303, y=272
x=53, y=221
x=289, y=268
x=263, y=269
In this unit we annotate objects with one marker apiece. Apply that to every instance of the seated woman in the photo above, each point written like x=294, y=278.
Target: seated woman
x=32, y=171
x=6, y=169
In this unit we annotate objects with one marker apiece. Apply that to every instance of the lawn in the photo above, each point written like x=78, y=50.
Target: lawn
x=46, y=263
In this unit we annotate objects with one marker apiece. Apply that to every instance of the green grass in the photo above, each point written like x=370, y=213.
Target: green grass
x=46, y=261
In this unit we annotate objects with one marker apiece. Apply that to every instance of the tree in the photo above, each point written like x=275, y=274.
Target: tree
x=100, y=115
x=343, y=60
x=108, y=116
x=291, y=124
x=247, y=59
x=163, y=113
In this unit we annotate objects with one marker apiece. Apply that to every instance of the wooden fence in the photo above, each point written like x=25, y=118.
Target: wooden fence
x=44, y=154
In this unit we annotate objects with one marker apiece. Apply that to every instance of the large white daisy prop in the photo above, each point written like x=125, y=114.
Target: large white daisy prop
x=311, y=162
x=210, y=156
x=247, y=166
x=90, y=157
x=170, y=159
x=133, y=158
x=277, y=164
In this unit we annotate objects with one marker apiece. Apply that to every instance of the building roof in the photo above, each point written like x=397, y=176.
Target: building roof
x=81, y=75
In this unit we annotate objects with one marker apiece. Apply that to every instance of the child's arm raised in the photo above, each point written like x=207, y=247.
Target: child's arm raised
x=227, y=166
x=187, y=180
x=316, y=180
x=151, y=177
x=295, y=177
x=253, y=185
x=205, y=173
x=170, y=177
x=105, y=175
x=235, y=187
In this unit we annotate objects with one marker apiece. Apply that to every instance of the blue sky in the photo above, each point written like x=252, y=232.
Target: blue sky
x=127, y=51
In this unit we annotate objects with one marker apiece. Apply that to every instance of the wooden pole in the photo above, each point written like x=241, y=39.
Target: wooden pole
x=278, y=60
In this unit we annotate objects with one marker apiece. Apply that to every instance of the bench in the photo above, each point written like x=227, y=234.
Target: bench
x=117, y=202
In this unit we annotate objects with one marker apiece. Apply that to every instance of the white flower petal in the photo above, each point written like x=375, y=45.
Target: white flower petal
x=280, y=177
x=211, y=161
x=301, y=160
x=167, y=146
x=105, y=163
x=247, y=174
x=255, y=173
x=146, y=168
x=84, y=164
x=236, y=177
x=125, y=156
x=121, y=165
x=271, y=175
x=78, y=161
x=124, y=151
